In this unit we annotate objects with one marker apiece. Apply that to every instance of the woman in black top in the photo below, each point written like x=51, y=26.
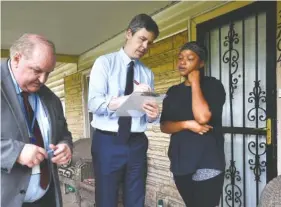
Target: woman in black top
x=192, y=114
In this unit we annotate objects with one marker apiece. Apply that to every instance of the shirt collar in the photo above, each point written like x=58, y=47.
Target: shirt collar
x=17, y=87
x=126, y=59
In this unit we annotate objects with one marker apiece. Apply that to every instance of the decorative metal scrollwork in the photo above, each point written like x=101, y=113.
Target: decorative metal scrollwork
x=231, y=56
x=256, y=165
x=233, y=192
x=257, y=96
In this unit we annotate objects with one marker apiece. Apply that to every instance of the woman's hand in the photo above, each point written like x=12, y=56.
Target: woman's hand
x=198, y=128
x=194, y=77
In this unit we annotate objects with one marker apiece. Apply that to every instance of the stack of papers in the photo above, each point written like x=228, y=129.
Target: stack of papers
x=133, y=105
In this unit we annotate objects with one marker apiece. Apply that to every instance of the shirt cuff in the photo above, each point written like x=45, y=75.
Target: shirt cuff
x=155, y=121
x=110, y=113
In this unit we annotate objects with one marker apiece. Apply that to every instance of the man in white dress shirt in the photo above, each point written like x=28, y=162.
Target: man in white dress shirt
x=119, y=145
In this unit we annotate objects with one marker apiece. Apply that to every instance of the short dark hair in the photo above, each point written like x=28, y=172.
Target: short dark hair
x=196, y=47
x=143, y=21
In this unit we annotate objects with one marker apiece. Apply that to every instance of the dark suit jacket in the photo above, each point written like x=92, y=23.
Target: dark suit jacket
x=14, y=134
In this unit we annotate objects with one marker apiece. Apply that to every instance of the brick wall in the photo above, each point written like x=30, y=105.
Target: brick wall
x=73, y=105
x=56, y=79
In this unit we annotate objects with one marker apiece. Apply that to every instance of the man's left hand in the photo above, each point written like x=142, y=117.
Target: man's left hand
x=152, y=110
x=62, y=153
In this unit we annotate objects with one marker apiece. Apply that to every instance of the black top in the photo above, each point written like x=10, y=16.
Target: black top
x=189, y=151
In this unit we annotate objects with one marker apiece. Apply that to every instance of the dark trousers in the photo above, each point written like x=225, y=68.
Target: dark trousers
x=47, y=200
x=117, y=162
x=204, y=193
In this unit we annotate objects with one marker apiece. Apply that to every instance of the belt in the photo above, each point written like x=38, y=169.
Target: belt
x=116, y=133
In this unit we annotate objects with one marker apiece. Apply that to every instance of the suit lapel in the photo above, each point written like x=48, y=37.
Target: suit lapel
x=9, y=93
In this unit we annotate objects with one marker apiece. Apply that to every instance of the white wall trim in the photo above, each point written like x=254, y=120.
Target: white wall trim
x=84, y=75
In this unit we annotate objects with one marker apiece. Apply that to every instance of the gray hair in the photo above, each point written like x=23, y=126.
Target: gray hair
x=26, y=43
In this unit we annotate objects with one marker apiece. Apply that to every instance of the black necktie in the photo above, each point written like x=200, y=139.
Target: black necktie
x=44, y=176
x=125, y=122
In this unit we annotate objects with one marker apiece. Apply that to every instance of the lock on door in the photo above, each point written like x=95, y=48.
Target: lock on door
x=267, y=130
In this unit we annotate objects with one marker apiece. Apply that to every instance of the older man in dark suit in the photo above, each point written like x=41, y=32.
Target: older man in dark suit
x=34, y=134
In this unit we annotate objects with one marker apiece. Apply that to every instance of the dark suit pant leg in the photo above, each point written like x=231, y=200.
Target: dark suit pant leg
x=135, y=172
x=109, y=161
x=106, y=188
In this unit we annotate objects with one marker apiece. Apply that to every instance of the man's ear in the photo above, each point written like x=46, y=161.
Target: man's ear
x=15, y=59
x=129, y=34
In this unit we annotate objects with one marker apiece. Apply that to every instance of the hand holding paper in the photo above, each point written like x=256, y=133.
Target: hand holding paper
x=139, y=104
x=151, y=109
x=116, y=102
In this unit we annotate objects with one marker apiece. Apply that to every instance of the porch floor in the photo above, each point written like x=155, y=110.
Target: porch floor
x=69, y=200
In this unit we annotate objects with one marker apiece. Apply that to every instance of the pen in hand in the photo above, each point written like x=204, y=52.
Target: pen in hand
x=141, y=87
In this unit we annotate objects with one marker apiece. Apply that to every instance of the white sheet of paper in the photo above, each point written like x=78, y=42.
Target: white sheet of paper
x=35, y=170
x=135, y=113
x=133, y=105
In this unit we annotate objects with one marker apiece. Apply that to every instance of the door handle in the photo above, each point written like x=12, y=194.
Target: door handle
x=267, y=130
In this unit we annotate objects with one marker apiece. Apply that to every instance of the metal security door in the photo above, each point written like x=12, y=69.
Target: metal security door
x=242, y=55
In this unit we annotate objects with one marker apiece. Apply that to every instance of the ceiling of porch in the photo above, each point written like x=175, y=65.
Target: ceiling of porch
x=73, y=26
